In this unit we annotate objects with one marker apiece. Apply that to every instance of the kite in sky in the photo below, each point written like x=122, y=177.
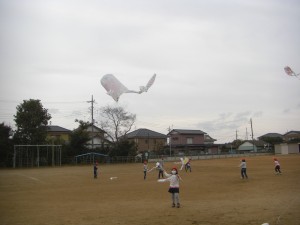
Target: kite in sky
x=115, y=88
x=290, y=72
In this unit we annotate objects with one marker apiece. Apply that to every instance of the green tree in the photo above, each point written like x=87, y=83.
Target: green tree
x=272, y=140
x=6, y=145
x=79, y=138
x=31, y=121
x=124, y=147
x=236, y=143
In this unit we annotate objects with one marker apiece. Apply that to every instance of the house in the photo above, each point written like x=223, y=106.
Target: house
x=147, y=140
x=182, y=140
x=97, y=138
x=271, y=135
x=287, y=148
x=291, y=136
x=252, y=146
x=57, y=133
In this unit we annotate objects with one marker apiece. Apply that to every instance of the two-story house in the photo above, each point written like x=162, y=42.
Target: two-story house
x=58, y=134
x=147, y=140
x=291, y=136
x=97, y=138
x=182, y=140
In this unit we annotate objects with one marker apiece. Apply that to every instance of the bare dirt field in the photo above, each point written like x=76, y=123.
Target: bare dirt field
x=212, y=194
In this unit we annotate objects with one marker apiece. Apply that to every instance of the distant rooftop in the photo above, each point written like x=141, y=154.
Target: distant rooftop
x=183, y=131
x=145, y=133
x=57, y=129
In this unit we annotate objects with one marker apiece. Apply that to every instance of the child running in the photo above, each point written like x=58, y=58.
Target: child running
x=243, y=167
x=173, y=178
x=277, y=166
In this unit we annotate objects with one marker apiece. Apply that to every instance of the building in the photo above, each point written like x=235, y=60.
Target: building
x=287, y=148
x=147, y=140
x=185, y=141
x=252, y=146
x=58, y=134
x=97, y=138
x=291, y=136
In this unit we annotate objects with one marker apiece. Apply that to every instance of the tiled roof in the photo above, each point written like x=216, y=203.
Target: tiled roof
x=182, y=131
x=57, y=129
x=145, y=133
x=271, y=135
x=292, y=132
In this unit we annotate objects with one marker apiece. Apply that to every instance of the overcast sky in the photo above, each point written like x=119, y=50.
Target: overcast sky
x=218, y=63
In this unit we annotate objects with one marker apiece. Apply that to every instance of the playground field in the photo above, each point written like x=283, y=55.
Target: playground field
x=212, y=194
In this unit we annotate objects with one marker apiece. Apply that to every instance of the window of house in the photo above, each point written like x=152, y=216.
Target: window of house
x=189, y=140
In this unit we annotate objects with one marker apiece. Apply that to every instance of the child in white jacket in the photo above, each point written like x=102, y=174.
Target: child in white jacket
x=173, y=178
x=277, y=166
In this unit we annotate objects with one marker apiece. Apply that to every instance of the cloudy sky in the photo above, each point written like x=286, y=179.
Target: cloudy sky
x=218, y=63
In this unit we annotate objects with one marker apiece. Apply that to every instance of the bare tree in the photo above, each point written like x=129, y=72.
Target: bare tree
x=116, y=121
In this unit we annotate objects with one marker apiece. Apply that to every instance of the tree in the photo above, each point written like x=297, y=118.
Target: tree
x=31, y=121
x=116, y=122
x=272, y=140
x=236, y=143
x=5, y=145
x=124, y=147
x=78, y=139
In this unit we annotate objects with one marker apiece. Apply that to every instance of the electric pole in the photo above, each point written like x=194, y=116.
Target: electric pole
x=252, y=133
x=92, y=111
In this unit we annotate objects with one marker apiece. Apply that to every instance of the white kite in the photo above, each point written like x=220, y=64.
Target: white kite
x=115, y=88
x=290, y=72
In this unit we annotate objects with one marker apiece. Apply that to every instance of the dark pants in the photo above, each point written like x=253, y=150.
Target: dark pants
x=277, y=169
x=160, y=173
x=145, y=173
x=244, y=173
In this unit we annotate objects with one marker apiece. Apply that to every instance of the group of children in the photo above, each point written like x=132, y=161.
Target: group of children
x=174, y=177
x=243, y=167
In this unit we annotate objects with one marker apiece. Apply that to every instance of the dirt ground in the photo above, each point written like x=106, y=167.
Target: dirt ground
x=212, y=194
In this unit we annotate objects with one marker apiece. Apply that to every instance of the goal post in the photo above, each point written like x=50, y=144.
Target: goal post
x=36, y=155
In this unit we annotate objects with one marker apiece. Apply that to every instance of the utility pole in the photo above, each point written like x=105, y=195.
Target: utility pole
x=252, y=133
x=236, y=135
x=92, y=110
x=169, y=129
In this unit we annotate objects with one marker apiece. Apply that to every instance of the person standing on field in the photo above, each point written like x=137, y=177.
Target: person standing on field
x=243, y=167
x=173, y=178
x=145, y=169
x=95, y=170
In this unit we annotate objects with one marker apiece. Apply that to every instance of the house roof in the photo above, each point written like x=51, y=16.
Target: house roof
x=145, y=133
x=57, y=129
x=183, y=131
x=271, y=135
x=209, y=138
x=96, y=129
x=255, y=142
x=292, y=132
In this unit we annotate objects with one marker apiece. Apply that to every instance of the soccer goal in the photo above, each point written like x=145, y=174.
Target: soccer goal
x=37, y=155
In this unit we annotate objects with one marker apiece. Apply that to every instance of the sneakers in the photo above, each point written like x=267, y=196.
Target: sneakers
x=178, y=205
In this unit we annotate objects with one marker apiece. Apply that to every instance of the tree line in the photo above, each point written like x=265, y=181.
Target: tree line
x=31, y=120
